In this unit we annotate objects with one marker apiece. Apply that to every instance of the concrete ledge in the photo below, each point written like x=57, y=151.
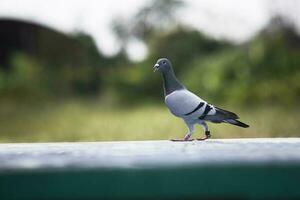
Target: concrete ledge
x=231, y=168
x=148, y=154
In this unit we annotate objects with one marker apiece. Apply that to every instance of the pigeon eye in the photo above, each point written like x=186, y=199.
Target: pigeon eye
x=164, y=62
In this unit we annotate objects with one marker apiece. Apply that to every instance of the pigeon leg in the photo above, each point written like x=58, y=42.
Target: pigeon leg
x=207, y=132
x=187, y=137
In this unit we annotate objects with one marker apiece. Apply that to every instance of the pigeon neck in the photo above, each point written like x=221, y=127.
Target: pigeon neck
x=170, y=82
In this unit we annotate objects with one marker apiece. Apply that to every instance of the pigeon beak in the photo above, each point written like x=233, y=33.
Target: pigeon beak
x=155, y=67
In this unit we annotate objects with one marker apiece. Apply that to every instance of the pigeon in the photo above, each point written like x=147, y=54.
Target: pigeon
x=186, y=105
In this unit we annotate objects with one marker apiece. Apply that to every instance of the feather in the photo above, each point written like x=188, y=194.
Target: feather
x=237, y=123
x=227, y=113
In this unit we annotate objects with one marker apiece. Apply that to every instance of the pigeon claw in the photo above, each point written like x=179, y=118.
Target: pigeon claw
x=182, y=140
x=203, y=138
x=186, y=138
x=207, y=135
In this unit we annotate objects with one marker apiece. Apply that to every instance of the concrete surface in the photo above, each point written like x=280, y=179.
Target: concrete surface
x=148, y=154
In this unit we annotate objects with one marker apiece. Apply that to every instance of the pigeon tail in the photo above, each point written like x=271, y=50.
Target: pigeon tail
x=227, y=114
x=236, y=122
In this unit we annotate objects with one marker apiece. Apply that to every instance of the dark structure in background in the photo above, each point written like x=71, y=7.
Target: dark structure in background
x=38, y=41
x=71, y=62
x=16, y=36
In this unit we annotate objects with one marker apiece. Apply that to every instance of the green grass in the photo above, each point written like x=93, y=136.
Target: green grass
x=92, y=121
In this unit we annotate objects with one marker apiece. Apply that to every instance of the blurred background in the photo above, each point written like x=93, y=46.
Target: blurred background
x=78, y=70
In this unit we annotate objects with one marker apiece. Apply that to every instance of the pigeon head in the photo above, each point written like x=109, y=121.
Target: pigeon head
x=162, y=65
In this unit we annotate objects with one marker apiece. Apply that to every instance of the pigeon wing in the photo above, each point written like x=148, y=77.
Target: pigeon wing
x=182, y=102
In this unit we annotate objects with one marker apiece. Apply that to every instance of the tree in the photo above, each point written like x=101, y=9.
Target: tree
x=154, y=17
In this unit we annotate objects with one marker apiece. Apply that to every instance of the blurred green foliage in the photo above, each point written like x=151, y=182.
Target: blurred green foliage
x=262, y=71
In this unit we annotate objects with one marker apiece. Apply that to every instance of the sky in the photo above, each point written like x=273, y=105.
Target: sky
x=234, y=20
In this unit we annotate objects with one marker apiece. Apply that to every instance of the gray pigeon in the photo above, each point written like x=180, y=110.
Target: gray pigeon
x=188, y=106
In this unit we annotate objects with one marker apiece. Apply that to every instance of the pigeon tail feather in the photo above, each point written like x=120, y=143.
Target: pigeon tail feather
x=237, y=123
x=227, y=114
